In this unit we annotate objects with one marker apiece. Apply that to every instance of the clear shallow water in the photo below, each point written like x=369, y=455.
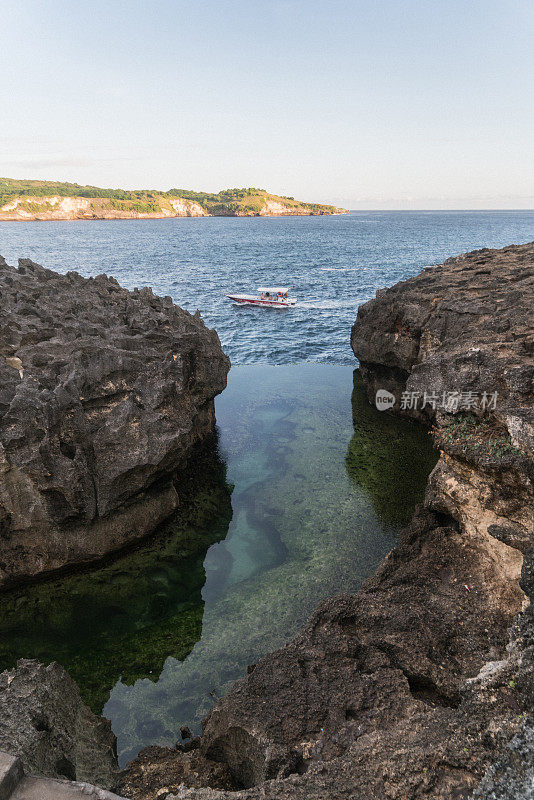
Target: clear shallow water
x=332, y=263
x=157, y=636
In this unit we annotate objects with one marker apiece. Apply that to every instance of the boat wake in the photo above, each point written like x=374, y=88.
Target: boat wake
x=325, y=304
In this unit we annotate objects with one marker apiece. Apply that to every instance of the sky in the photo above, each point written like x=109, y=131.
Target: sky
x=368, y=104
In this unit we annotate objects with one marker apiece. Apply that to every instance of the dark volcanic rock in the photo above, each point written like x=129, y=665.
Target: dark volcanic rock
x=103, y=393
x=464, y=326
x=421, y=684
x=372, y=700
x=44, y=722
x=159, y=767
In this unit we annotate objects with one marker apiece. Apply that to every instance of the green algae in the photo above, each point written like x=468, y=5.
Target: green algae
x=286, y=444
x=125, y=618
x=390, y=457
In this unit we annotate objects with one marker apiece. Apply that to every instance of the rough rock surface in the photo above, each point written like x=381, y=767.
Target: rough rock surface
x=465, y=325
x=103, y=393
x=44, y=722
x=14, y=785
x=157, y=769
x=50, y=789
x=421, y=684
x=512, y=776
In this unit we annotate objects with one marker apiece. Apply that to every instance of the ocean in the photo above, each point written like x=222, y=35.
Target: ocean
x=333, y=265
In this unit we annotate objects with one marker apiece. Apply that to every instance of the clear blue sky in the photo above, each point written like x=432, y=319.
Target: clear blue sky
x=366, y=103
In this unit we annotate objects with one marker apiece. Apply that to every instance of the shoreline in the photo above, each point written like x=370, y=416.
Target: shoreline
x=173, y=216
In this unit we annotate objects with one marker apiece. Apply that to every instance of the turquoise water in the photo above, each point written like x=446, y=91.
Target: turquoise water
x=333, y=264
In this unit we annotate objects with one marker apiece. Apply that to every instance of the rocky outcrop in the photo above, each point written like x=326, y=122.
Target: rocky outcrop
x=103, y=395
x=421, y=684
x=15, y=785
x=461, y=327
x=45, y=724
x=455, y=346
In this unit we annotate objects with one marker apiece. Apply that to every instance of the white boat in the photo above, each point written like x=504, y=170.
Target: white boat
x=267, y=297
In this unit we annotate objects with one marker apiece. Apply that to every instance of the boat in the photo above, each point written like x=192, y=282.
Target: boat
x=267, y=297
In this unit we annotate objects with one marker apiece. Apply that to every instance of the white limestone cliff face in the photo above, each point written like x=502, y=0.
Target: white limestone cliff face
x=187, y=208
x=55, y=207
x=59, y=207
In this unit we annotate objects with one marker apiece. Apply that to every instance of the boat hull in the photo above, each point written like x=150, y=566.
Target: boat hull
x=243, y=300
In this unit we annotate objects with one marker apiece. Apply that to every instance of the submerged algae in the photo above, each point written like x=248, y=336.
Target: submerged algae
x=285, y=431
x=385, y=452
x=125, y=618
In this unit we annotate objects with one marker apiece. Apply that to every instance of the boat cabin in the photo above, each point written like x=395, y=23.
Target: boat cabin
x=273, y=292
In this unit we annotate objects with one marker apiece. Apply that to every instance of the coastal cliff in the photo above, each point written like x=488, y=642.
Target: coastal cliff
x=104, y=396
x=50, y=200
x=421, y=685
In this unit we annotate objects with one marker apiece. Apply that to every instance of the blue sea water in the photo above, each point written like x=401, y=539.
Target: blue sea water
x=333, y=264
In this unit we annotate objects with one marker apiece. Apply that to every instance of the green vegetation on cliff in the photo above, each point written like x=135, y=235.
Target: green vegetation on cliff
x=11, y=188
x=26, y=199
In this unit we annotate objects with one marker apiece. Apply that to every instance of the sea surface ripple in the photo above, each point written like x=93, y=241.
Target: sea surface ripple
x=333, y=265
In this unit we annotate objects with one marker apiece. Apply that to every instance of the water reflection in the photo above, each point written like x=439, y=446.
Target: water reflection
x=126, y=618
x=389, y=457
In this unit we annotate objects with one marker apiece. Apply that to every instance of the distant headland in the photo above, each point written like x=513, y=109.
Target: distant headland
x=52, y=200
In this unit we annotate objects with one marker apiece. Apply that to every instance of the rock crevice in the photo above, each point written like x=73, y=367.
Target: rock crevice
x=421, y=684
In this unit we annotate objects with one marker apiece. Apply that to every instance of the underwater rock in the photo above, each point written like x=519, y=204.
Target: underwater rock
x=103, y=394
x=44, y=722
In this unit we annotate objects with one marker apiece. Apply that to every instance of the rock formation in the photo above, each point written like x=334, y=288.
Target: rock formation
x=44, y=722
x=103, y=394
x=15, y=785
x=422, y=684
x=55, y=207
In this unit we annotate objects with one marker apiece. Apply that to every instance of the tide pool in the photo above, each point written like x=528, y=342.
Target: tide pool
x=297, y=504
